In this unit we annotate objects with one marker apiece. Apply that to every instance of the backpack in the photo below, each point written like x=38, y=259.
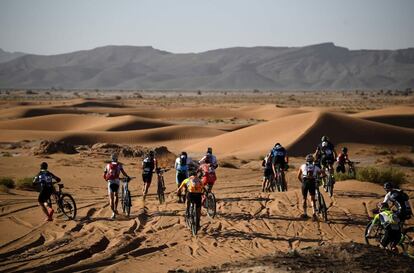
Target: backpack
x=112, y=171
x=209, y=159
x=183, y=160
x=148, y=164
x=309, y=172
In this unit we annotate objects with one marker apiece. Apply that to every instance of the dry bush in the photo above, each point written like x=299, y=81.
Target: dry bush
x=25, y=183
x=402, y=161
x=380, y=176
x=7, y=182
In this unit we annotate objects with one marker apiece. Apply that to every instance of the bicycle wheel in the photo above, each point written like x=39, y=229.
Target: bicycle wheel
x=68, y=206
x=211, y=204
x=324, y=209
x=375, y=235
x=127, y=203
x=194, y=219
x=408, y=242
x=160, y=193
x=330, y=185
x=123, y=199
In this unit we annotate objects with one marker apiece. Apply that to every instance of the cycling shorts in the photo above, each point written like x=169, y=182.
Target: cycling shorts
x=390, y=236
x=45, y=193
x=147, y=177
x=268, y=173
x=340, y=168
x=209, y=179
x=327, y=160
x=308, y=185
x=194, y=197
x=113, y=185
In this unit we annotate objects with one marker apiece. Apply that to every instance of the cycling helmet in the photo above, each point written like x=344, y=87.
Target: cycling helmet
x=344, y=150
x=383, y=206
x=324, y=144
x=324, y=138
x=388, y=186
x=210, y=150
x=151, y=153
x=43, y=166
x=309, y=158
x=278, y=146
x=184, y=153
x=114, y=157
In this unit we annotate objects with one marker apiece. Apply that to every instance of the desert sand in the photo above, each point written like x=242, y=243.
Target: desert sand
x=249, y=224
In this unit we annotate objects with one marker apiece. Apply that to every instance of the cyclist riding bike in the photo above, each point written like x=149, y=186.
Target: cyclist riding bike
x=326, y=152
x=268, y=172
x=182, y=164
x=308, y=174
x=45, y=179
x=342, y=159
x=149, y=164
x=195, y=189
x=390, y=223
x=208, y=165
x=400, y=200
x=111, y=174
x=280, y=159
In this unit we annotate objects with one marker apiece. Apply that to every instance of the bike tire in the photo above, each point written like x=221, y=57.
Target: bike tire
x=324, y=209
x=68, y=206
x=193, y=214
x=376, y=234
x=127, y=203
x=330, y=186
x=211, y=205
x=123, y=199
x=408, y=242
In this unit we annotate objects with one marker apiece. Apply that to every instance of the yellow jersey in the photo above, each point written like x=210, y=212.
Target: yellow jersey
x=193, y=184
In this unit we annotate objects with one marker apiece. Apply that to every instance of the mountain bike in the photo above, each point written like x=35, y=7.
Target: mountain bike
x=279, y=179
x=192, y=218
x=351, y=169
x=320, y=205
x=374, y=232
x=126, y=201
x=161, y=184
x=271, y=184
x=329, y=179
x=64, y=201
x=210, y=202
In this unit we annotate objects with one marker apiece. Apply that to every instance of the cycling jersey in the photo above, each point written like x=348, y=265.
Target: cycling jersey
x=278, y=155
x=45, y=179
x=401, y=200
x=193, y=184
x=310, y=171
x=112, y=171
x=149, y=164
x=209, y=159
x=387, y=219
x=182, y=164
x=342, y=158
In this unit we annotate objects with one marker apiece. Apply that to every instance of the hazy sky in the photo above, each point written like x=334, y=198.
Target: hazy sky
x=54, y=26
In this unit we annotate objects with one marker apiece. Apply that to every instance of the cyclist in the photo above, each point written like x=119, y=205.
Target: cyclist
x=308, y=174
x=390, y=223
x=326, y=152
x=149, y=164
x=280, y=159
x=342, y=159
x=45, y=179
x=268, y=172
x=195, y=189
x=182, y=164
x=208, y=165
x=111, y=174
x=400, y=200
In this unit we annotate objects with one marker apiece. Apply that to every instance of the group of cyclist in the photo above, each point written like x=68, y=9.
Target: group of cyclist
x=196, y=177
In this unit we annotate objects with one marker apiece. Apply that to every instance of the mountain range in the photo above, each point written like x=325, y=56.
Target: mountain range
x=321, y=66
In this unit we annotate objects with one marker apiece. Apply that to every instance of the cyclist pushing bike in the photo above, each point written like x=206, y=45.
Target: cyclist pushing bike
x=308, y=174
x=182, y=164
x=343, y=159
x=111, y=174
x=149, y=164
x=280, y=162
x=45, y=178
x=208, y=165
x=400, y=200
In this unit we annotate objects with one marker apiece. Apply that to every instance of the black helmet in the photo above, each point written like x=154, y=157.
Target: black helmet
x=114, y=157
x=151, y=153
x=324, y=138
x=184, y=153
x=43, y=166
x=388, y=186
x=210, y=150
x=344, y=150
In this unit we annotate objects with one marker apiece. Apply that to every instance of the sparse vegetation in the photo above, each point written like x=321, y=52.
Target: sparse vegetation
x=380, y=176
x=402, y=161
x=25, y=183
x=7, y=182
x=343, y=176
x=227, y=164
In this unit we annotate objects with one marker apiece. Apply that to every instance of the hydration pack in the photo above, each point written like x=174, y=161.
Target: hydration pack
x=183, y=160
x=209, y=159
x=44, y=178
x=279, y=153
x=148, y=164
x=113, y=171
x=309, y=172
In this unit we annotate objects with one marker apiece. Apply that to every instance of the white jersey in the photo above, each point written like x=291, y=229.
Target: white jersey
x=212, y=157
x=178, y=164
x=310, y=171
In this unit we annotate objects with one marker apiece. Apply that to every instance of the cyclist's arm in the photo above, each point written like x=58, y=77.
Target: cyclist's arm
x=299, y=175
x=273, y=165
x=176, y=164
x=123, y=172
x=155, y=163
x=57, y=179
x=183, y=184
x=35, y=179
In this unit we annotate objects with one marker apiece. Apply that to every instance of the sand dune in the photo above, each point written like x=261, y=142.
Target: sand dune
x=72, y=122
x=301, y=133
x=399, y=116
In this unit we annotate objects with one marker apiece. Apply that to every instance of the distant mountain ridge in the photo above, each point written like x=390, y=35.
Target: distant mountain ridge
x=321, y=66
x=8, y=56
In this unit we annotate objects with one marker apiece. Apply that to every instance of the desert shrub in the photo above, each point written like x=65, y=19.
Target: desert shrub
x=261, y=157
x=402, y=161
x=226, y=164
x=380, y=176
x=4, y=189
x=25, y=183
x=343, y=176
x=7, y=182
x=6, y=154
x=243, y=161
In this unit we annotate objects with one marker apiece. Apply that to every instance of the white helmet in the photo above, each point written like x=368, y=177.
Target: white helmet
x=324, y=144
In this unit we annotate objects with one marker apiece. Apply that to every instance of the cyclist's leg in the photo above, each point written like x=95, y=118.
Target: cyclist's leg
x=197, y=201
x=42, y=199
x=305, y=196
x=312, y=191
x=386, y=238
x=282, y=170
x=116, y=199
